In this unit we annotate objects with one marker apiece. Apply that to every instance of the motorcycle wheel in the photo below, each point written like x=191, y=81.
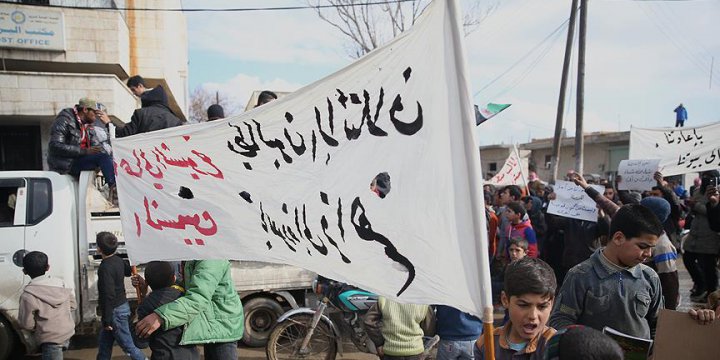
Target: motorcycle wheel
x=287, y=337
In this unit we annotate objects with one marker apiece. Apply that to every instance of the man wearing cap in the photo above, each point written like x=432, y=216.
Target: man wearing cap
x=215, y=112
x=73, y=146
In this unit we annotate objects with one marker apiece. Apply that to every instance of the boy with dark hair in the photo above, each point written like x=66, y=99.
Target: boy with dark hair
x=114, y=306
x=528, y=295
x=265, y=97
x=520, y=226
x=136, y=84
x=46, y=307
x=613, y=288
x=518, y=249
x=165, y=344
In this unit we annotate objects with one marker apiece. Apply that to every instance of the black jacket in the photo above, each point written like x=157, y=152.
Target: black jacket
x=713, y=215
x=155, y=114
x=111, y=286
x=64, y=146
x=165, y=344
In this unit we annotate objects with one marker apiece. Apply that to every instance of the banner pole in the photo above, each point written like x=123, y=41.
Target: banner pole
x=522, y=173
x=474, y=171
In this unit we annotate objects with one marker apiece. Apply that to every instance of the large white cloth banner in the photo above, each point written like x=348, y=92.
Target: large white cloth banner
x=681, y=150
x=365, y=176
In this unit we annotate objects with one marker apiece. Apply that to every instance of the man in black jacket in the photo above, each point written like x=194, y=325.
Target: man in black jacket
x=155, y=114
x=713, y=209
x=73, y=146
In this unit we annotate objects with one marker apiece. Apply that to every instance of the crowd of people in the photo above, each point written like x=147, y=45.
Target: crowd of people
x=559, y=281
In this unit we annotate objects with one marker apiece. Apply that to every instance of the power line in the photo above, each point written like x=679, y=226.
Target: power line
x=279, y=8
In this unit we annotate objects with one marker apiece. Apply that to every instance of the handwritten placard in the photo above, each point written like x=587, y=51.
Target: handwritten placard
x=573, y=202
x=681, y=150
x=511, y=173
x=638, y=174
x=37, y=28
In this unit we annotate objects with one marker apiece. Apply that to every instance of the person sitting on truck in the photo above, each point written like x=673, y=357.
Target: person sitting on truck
x=46, y=307
x=73, y=145
x=165, y=344
x=114, y=306
x=154, y=114
x=210, y=312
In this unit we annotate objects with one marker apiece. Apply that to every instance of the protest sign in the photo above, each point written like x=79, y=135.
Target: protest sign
x=369, y=176
x=513, y=171
x=573, y=202
x=680, y=337
x=638, y=174
x=681, y=150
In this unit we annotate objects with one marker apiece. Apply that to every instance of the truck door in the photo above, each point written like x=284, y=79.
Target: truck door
x=13, y=201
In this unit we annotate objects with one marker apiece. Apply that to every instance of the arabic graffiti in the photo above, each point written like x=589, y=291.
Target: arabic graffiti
x=296, y=234
x=251, y=139
x=159, y=160
x=682, y=137
x=692, y=161
x=203, y=223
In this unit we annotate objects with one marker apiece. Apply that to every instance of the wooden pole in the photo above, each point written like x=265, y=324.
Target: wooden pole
x=580, y=107
x=488, y=333
x=138, y=291
x=555, y=159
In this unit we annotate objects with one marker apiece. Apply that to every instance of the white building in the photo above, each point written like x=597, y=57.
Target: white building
x=52, y=55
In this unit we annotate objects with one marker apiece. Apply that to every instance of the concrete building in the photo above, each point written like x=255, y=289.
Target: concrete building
x=603, y=152
x=51, y=56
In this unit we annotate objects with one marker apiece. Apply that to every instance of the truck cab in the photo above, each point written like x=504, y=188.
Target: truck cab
x=60, y=216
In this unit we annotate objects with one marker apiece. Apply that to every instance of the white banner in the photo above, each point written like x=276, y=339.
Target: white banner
x=682, y=150
x=367, y=176
x=638, y=174
x=573, y=202
x=513, y=171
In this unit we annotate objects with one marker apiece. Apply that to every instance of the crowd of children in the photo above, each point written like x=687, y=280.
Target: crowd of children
x=628, y=274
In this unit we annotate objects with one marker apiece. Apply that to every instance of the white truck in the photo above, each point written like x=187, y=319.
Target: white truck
x=52, y=213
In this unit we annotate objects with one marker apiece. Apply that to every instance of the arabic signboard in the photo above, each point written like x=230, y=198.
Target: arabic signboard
x=682, y=150
x=638, y=174
x=31, y=28
x=573, y=202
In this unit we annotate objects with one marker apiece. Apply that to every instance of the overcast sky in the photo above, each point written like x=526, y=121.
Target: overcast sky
x=643, y=59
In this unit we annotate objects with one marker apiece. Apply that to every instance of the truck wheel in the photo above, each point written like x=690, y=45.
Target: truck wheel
x=7, y=339
x=260, y=317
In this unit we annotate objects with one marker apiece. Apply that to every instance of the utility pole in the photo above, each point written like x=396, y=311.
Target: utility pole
x=580, y=107
x=217, y=97
x=561, y=100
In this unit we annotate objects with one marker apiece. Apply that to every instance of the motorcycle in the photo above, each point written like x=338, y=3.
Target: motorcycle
x=307, y=333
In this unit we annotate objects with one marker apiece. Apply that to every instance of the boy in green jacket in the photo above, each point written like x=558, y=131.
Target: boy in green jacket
x=211, y=310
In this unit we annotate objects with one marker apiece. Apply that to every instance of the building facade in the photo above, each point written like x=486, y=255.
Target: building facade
x=54, y=52
x=602, y=155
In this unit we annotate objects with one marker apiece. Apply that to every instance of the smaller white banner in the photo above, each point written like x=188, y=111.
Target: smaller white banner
x=573, y=202
x=638, y=174
x=31, y=28
x=512, y=172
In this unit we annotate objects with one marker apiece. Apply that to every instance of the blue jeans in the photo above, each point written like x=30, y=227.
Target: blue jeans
x=119, y=333
x=51, y=351
x=455, y=350
x=90, y=162
x=220, y=351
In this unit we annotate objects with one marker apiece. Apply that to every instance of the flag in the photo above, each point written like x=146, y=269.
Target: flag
x=490, y=110
x=369, y=176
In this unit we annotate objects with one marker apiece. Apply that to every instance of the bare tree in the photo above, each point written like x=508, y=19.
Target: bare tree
x=201, y=98
x=370, y=26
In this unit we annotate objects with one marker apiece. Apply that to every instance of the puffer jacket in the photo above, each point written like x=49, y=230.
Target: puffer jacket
x=155, y=114
x=702, y=239
x=64, y=146
x=46, y=307
x=211, y=310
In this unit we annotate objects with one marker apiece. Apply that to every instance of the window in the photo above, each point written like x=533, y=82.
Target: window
x=8, y=201
x=40, y=202
x=493, y=166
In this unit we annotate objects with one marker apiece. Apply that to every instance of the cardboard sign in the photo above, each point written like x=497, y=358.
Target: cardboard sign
x=573, y=202
x=638, y=174
x=678, y=336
